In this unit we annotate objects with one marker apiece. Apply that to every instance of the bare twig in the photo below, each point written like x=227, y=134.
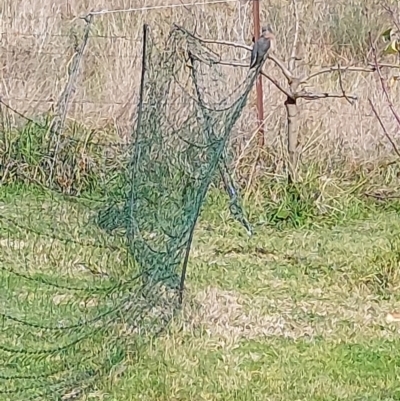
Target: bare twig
x=279, y=63
x=21, y=115
x=324, y=95
x=333, y=68
x=220, y=42
x=326, y=70
x=292, y=58
x=383, y=127
x=351, y=101
x=277, y=84
x=389, y=101
x=230, y=63
x=383, y=65
x=272, y=80
x=393, y=16
x=288, y=74
x=383, y=84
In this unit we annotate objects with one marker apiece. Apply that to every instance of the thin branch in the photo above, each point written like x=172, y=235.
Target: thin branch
x=383, y=127
x=390, y=11
x=220, y=42
x=323, y=95
x=229, y=63
x=289, y=76
x=278, y=85
x=333, y=68
x=272, y=80
x=342, y=88
x=383, y=85
x=372, y=68
x=279, y=63
x=293, y=58
x=384, y=65
x=21, y=115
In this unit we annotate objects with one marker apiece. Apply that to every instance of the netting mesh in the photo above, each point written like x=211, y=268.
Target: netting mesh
x=83, y=279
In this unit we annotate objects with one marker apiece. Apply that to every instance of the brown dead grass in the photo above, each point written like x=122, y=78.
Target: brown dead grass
x=232, y=316
x=37, y=46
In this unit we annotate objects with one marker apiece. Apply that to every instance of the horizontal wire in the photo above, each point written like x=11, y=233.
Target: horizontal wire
x=130, y=10
x=89, y=102
x=59, y=35
x=52, y=101
x=122, y=37
x=67, y=53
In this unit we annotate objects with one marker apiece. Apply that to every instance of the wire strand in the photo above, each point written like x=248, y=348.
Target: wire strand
x=130, y=10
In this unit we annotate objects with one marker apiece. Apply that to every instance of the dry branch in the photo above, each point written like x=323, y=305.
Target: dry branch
x=386, y=133
x=325, y=95
x=347, y=97
x=278, y=62
x=277, y=84
x=264, y=74
x=389, y=101
x=293, y=55
x=383, y=85
x=293, y=92
x=334, y=68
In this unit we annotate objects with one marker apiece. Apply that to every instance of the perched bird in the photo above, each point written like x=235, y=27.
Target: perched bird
x=261, y=46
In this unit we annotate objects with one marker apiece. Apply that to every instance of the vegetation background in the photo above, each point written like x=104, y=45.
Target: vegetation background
x=37, y=43
x=295, y=312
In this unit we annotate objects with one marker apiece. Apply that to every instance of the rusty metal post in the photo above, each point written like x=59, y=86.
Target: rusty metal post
x=259, y=86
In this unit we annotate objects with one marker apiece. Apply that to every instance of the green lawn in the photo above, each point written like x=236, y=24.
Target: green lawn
x=289, y=314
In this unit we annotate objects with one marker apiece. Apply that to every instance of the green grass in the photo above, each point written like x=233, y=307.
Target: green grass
x=295, y=312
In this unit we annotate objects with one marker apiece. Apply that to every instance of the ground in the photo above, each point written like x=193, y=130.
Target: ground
x=288, y=314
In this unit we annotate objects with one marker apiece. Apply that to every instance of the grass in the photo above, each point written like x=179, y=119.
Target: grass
x=275, y=368
x=295, y=312
x=79, y=166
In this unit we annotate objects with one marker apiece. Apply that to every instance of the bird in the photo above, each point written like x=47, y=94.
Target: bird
x=261, y=46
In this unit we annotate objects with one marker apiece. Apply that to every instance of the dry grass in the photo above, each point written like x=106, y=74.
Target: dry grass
x=37, y=45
